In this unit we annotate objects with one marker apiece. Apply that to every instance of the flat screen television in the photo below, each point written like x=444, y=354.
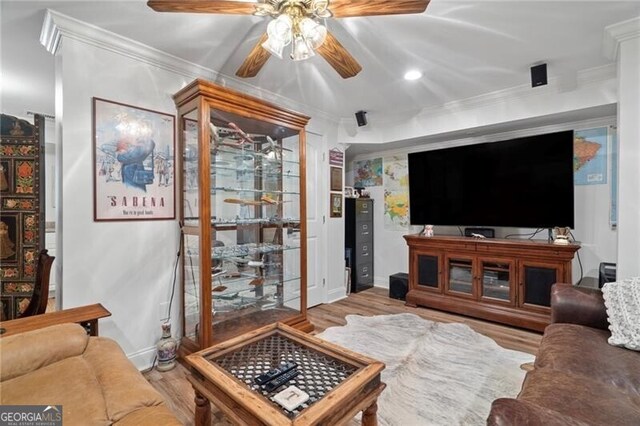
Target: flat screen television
x=525, y=182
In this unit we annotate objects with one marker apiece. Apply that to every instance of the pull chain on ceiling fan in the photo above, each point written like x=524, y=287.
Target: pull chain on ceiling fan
x=298, y=23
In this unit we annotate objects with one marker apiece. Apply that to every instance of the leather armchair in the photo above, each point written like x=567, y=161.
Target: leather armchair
x=578, y=377
x=582, y=306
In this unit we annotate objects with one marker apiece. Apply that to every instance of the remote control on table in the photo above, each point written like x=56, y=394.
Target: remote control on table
x=276, y=372
x=280, y=380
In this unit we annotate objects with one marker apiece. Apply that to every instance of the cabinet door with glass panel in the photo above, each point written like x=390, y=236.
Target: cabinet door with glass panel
x=243, y=209
x=460, y=275
x=497, y=280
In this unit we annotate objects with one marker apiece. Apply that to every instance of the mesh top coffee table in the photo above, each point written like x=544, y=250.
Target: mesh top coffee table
x=340, y=383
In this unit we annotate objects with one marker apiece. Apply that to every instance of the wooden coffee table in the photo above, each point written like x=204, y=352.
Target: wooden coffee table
x=340, y=382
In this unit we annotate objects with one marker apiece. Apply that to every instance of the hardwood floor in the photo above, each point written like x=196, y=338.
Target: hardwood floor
x=174, y=386
x=376, y=301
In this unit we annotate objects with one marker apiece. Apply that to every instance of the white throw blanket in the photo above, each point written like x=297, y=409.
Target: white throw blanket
x=622, y=300
x=436, y=373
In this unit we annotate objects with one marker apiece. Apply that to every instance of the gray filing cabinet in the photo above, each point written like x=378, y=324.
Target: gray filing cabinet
x=359, y=241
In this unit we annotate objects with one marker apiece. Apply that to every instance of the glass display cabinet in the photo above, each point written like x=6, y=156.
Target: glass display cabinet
x=243, y=214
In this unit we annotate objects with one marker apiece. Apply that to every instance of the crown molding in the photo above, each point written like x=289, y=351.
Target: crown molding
x=50, y=34
x=57, y=26
x=597, y=75
x=617, y=33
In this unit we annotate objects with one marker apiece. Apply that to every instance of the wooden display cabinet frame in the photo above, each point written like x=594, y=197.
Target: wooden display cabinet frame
x=202, y=97
x=517, y=253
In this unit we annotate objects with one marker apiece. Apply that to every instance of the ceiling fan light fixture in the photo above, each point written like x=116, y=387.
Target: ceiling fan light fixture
x=314, y=33
x=301, y=49
x=280, y=29
x=274, y=46
x=320, y=8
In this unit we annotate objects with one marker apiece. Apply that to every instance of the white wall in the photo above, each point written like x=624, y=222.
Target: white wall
x=629, y=133
x=126, y=266
x=592, y=213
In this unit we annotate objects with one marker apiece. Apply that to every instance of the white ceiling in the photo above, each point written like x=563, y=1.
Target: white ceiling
x=464, y=48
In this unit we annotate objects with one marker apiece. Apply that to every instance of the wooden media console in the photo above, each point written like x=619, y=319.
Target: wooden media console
x=507, y=281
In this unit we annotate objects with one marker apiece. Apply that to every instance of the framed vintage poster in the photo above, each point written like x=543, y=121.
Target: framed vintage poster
x=336, y=179
x=336, y=205
x=133, y=162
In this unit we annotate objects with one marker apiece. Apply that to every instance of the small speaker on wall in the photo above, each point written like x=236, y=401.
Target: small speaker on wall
x=399, y=286
x=361, y=118
x=539, y=75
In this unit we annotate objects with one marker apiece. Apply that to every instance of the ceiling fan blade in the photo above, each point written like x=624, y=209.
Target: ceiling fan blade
x=204, y=6
x=338, y=57
x=255, y=61
x=349, y=8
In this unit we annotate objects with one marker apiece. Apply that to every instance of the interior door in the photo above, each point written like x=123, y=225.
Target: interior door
x=315, y=225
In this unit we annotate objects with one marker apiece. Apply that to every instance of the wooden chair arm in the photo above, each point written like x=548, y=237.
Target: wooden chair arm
x=87, y=316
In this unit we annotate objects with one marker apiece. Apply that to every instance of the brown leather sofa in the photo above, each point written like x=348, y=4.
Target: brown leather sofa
x=578, y=379
x=89, y=376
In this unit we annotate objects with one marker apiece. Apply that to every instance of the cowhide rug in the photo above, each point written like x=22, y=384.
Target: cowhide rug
x=436, y=373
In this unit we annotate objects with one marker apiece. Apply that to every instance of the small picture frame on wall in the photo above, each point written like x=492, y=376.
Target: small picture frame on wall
x=336, y=205
x=336, y=179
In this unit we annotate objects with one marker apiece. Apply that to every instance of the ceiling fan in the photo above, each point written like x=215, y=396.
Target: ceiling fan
x=297, y=23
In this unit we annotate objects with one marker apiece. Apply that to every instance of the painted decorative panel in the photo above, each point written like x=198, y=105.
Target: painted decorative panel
x=22, y=211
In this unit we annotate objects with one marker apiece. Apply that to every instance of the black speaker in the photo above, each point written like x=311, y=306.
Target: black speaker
x=539, y=75
x=485, y=232
x=398, y=286
x=361, y=118
x=607, y=273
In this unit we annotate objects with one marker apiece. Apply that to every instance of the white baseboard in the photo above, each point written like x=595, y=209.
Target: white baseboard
x=143, y=359
x=381, y=282
x=336, y=294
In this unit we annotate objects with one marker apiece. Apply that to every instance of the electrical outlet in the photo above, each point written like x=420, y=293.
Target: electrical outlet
x=163, y=311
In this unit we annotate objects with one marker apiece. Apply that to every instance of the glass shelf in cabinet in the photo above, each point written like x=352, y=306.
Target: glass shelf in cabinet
x=233, y=288
x=245, y=154
x=257, y=191
x=256, y=172
x=242, y=250
x=271, y=222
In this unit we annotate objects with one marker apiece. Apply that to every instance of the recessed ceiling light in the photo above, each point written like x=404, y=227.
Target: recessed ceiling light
x=412, y=75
